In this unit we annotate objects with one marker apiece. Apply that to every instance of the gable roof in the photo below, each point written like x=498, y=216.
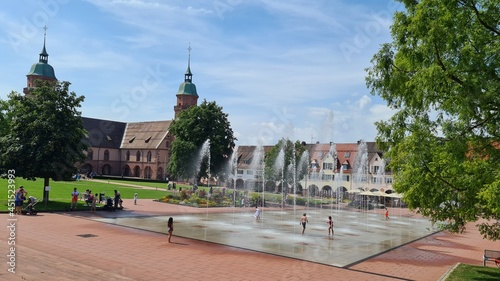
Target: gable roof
x=103, y=133
x=246, y=154
x=145, y=135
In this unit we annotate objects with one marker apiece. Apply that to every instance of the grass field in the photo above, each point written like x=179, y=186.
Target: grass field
x=60, y=192
x=472, y=272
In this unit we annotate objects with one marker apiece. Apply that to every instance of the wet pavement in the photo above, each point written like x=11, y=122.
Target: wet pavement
x=358, y=235
x=89, y=246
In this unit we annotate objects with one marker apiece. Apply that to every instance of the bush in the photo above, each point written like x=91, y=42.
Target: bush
x=202, y=193
x=184, y=194
x=300, y=201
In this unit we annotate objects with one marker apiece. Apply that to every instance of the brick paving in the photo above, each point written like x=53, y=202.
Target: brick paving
x=72, y=246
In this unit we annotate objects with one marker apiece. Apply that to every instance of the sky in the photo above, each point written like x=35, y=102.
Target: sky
x=290, y=69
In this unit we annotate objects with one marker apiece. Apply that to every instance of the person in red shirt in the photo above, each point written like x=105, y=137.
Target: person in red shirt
x=74, y=198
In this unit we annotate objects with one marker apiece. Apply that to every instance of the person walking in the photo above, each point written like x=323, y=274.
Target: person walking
x=303, y=222
x=386, y=214
x=170, y=228
x=74, y=199
x=330, y=225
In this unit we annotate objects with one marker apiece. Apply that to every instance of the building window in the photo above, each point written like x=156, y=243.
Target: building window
x=375, y=169
x=327, y=166
x=106, y=155
x=138, y=156
x=347, y=154
x=344, y=167
x=388, y=180
x=128, y=155
x=345, y=177
x=240, y=172
x=327, y=177
x=249, y=172
x=149, y=156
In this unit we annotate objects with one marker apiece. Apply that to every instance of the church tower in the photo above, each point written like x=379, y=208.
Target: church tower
x=187, y=95
x=41, y=70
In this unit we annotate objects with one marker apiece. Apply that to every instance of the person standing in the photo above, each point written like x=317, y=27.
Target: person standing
x=117, y=199
x=94, y=201
x=303, y=222
x=74, y=198
x=19, y=200
x=330, y=225
x=257, y=213
x=170, y=228
x=135, y=198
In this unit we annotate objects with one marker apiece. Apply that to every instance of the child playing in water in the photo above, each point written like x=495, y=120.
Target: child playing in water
x=257, y=213
x=303, y=222
x=330, y=225
x=170, y=230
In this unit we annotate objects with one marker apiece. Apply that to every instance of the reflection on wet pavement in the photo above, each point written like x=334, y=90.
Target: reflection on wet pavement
x=358, y=235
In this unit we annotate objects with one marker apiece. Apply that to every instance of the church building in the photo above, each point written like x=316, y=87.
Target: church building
x=128, y=149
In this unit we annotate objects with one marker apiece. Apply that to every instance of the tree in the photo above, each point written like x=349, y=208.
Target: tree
x=280, y=167
x=192, y=129
x=45, y=137
x=441, y=76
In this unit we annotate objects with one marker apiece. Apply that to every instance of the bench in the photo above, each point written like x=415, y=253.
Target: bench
x=491, y=255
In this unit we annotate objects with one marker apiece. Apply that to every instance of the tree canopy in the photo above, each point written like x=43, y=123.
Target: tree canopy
x=192, y=128
x=280, y=166
x=441, y=75
x=45, y=133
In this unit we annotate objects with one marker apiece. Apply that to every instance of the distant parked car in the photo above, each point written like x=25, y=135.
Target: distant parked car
x=358, y=204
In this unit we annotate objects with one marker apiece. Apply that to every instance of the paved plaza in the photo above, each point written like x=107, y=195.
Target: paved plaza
x=358, y=235
x=227, y=244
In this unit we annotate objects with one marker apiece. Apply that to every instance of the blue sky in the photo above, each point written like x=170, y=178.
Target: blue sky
x=279, y=68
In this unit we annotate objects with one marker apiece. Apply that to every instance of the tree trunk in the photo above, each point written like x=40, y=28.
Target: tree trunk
x=45, y=191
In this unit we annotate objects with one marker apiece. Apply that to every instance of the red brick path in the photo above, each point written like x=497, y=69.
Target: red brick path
x=48, y=247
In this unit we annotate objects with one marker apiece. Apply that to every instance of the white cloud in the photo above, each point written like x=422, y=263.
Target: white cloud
x=364, y=101
x=274, y=66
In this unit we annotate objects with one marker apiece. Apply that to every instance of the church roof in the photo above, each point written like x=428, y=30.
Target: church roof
x=42, y=69
x=145, y=135
x=103, y=133
x=187, y=88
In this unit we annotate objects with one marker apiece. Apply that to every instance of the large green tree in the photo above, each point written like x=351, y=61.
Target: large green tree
x=441, y=75
x=192, y=128
x=45, y=133
x=282, y=163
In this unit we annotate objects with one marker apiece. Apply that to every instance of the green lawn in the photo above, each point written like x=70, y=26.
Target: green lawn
x=60, y=192
x=472, y=272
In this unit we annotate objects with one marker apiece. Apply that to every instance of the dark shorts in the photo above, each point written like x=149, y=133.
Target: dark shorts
x=304, y=225
x=18, y=203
